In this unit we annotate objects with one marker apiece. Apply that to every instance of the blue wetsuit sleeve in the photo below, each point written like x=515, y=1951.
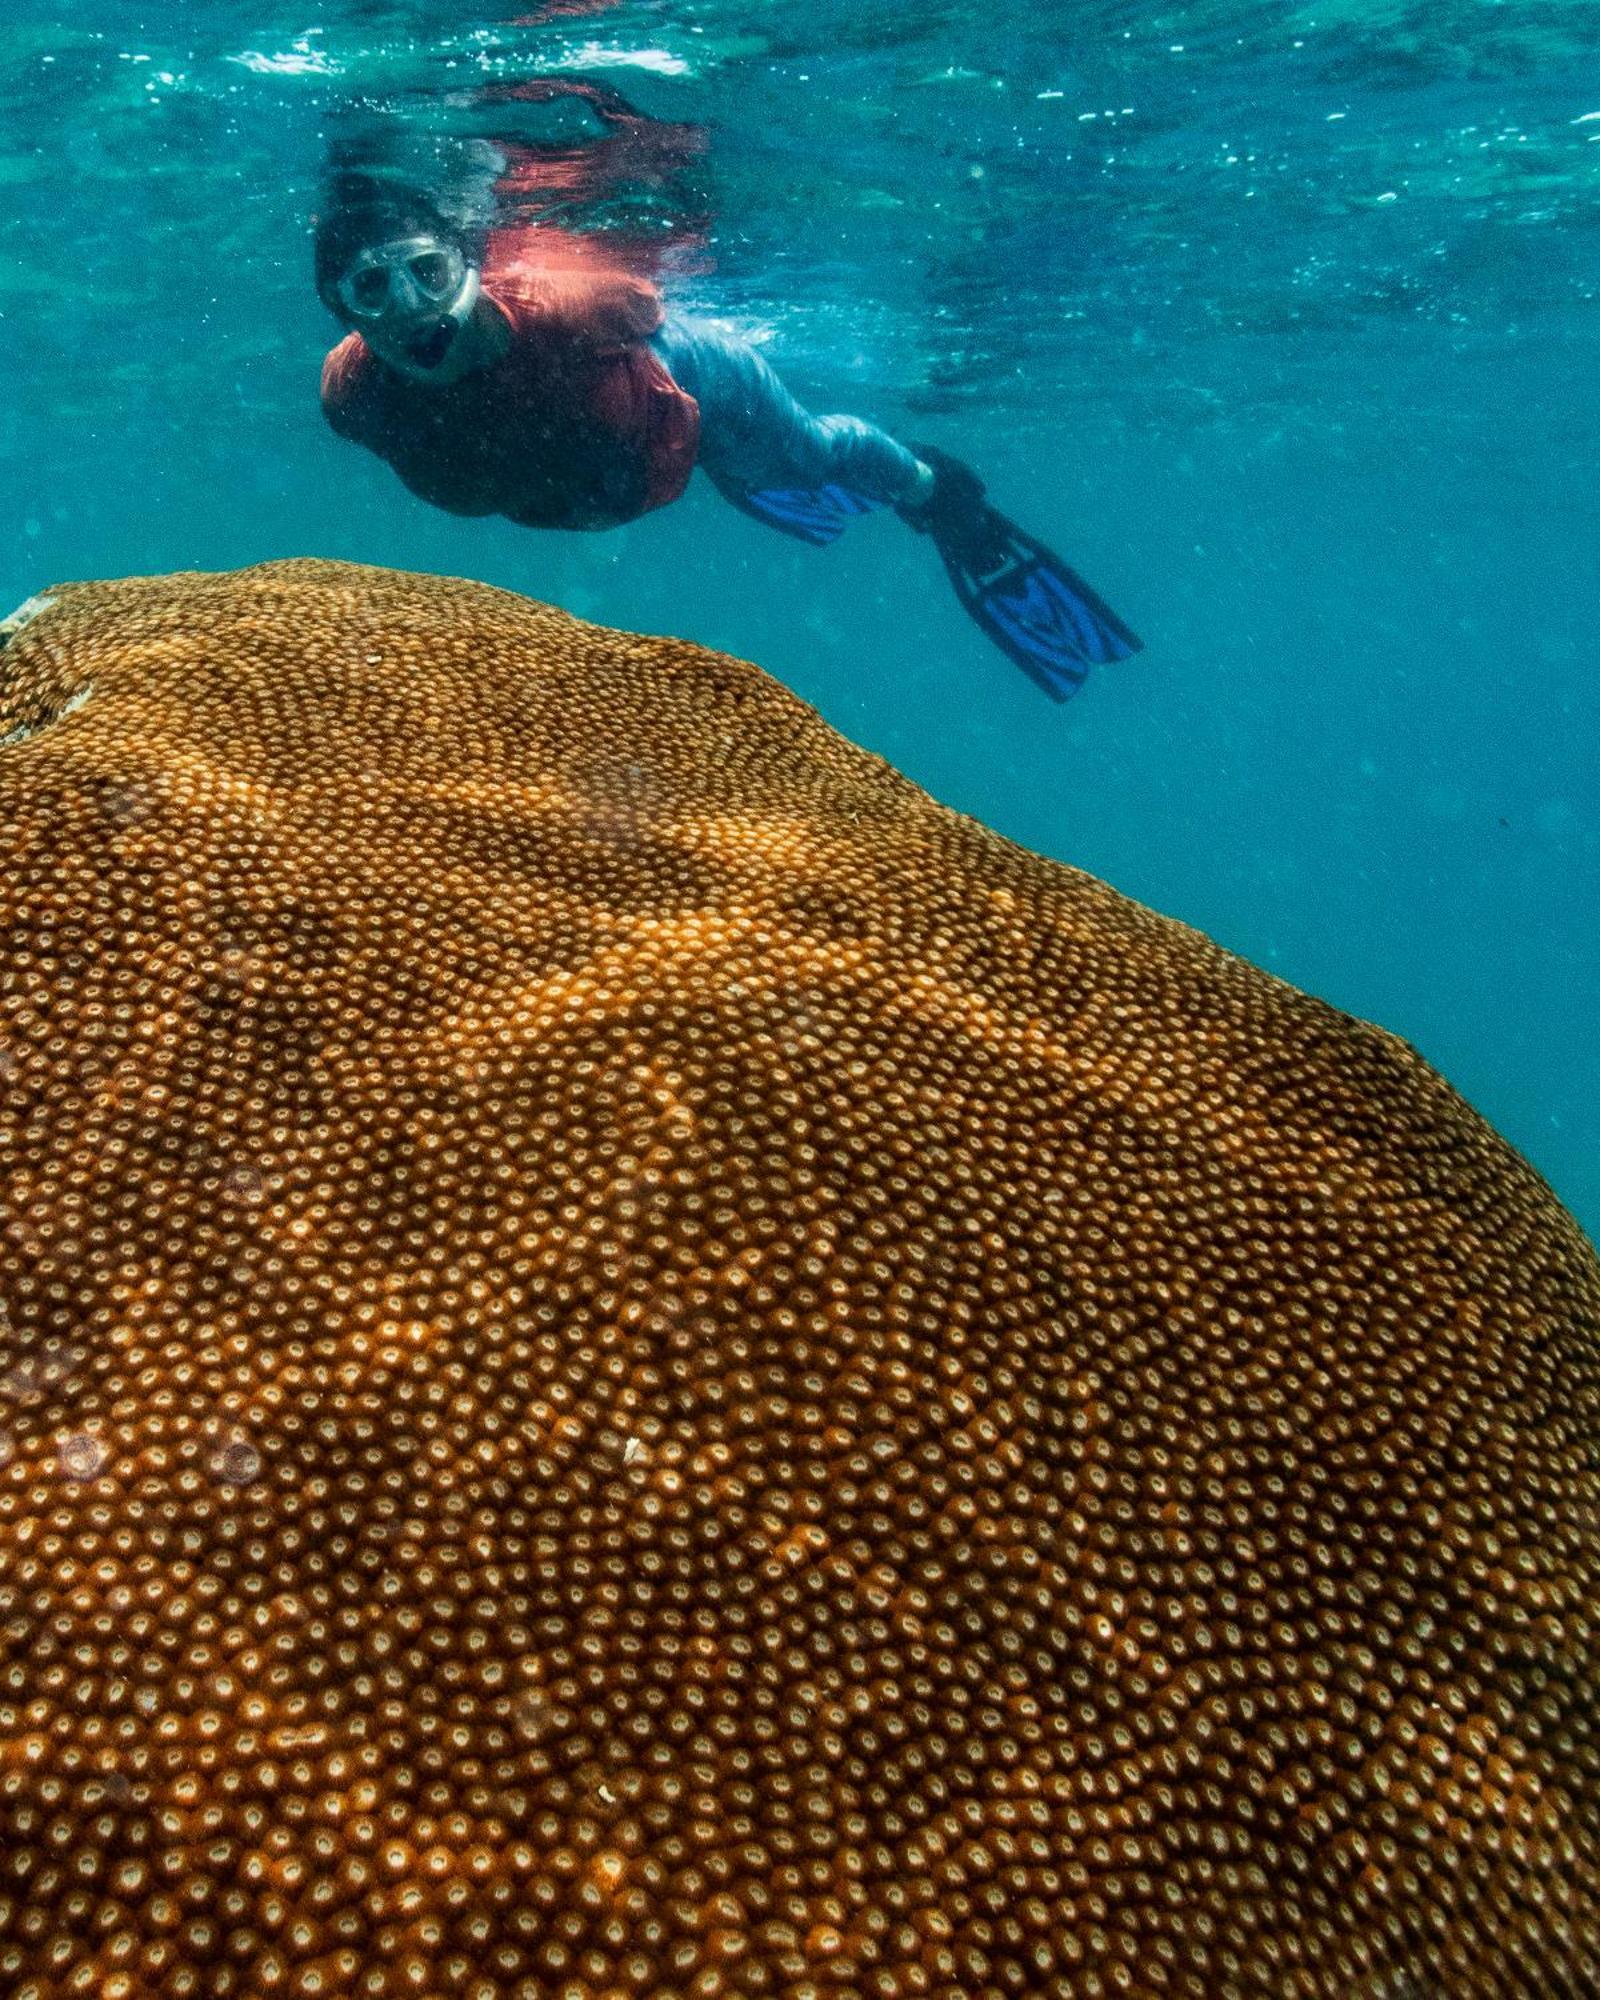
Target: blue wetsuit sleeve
x=754, y=435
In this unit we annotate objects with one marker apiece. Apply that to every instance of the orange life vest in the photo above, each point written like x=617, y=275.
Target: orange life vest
x=578, y=424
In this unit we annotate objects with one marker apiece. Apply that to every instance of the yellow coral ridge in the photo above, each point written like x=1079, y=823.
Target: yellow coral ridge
x=634, y=1361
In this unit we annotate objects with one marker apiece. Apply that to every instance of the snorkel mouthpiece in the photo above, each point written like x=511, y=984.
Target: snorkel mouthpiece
x=428, y=350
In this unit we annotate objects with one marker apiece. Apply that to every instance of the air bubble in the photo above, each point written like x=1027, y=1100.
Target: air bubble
x=534, y=1715
x=244, y=1184
x=82, y=1455
x=123, y=804
x=236, y=1463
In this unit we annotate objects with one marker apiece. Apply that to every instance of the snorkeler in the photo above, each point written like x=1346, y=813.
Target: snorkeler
x=522, y=372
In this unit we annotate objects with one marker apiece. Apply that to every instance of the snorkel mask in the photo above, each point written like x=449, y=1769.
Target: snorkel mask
x=409, y=299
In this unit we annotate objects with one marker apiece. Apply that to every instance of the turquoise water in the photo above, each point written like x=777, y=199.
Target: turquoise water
x=1280, y=319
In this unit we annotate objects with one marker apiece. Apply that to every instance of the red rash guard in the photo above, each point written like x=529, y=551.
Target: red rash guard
x=577, y=425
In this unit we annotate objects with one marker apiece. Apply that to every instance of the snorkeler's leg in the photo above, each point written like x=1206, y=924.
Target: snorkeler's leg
x=1036, y=609
x=770, y=455
x=808, y=475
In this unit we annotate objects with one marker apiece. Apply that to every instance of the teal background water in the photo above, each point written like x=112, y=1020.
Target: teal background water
x=1280, y=319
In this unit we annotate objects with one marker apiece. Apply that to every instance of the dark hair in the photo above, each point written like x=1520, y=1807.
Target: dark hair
x=384, y=185
x=358, y=214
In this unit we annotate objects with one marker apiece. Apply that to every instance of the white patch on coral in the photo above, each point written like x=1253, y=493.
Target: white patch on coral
x=25, y=614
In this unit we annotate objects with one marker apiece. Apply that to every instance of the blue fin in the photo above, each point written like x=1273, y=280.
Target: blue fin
x=1037, y=610
x=815, y=514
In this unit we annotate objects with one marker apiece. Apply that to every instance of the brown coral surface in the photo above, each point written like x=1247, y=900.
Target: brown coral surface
x=637, y=1362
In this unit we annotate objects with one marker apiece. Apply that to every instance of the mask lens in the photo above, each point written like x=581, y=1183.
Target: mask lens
x=434, y=271
x=368, y=289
